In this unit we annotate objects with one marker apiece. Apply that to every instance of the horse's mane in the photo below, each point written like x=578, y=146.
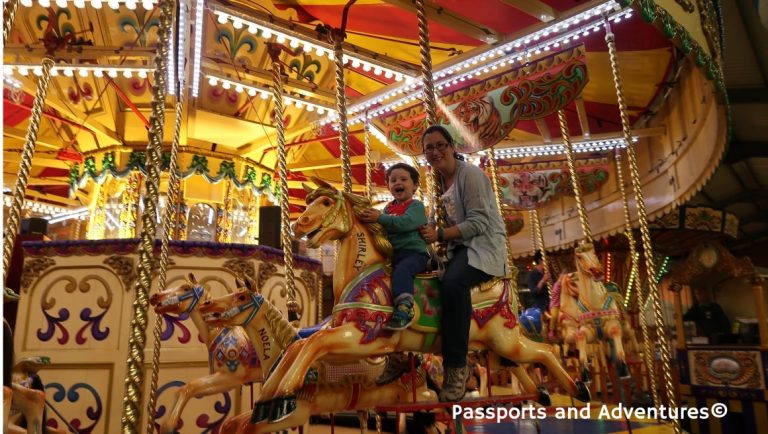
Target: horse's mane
x=284, y=333
x=359, y=204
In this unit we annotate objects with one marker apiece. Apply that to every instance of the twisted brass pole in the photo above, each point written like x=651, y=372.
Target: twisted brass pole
x=648, y=359
x=22, y=178
x=341, y=107
x=574, y=176
x=10, y=14
x=285, y=216
x=499, y=200
x=430, y=106
x=368, y=165
x=645, y=234
x=134, y=381
x=174, y=181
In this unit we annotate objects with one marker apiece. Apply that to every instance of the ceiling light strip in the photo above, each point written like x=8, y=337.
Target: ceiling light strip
x=295, y=40
x=266, y=93
x=198, y=48
x=96, y=4
x=81, y=70
x=514, y=48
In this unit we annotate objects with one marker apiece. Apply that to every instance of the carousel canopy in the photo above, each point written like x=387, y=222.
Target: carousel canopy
x=99, y=100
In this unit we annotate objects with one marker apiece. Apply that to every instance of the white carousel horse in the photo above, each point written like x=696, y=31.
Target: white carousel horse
x=591, y=310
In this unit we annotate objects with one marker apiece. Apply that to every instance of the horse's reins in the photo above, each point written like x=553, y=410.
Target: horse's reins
x=255, y=304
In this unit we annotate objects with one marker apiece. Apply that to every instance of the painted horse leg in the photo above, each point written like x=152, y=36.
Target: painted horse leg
x=31, y=403
x=218, y=382
x=529, y=386
x=7, y=393
x=584, y=335
x=613, y=330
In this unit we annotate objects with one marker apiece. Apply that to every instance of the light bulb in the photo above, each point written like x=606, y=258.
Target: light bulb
x=98, y=73
x=61, y=3
x=222, y=19
x=83, y=73
x=69, y=72
x=113, y=4
x=213, y=81
x=96, y=4
x=127, y=73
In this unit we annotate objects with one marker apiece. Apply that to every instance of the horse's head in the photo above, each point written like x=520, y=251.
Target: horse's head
x=326, y=217
x=179, y=299
x=588, y=262
x=236, y=309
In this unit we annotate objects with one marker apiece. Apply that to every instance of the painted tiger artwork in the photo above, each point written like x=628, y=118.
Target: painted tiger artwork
x=481, y=119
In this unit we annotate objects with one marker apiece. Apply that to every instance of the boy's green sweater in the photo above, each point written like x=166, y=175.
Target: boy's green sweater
x=403, y=230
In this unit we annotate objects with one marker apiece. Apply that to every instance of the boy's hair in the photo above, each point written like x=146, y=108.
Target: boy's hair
x=408, y=168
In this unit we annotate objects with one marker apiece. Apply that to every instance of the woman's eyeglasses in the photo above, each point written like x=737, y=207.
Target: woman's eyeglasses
x=436, y=147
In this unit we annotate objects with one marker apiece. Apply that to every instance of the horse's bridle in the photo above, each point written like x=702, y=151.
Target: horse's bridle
x=195, y=294
x=334, y=214
x=255, y=304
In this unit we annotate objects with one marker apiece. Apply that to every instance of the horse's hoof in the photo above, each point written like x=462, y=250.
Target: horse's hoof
x=544, y=399
x=623, y=370
x=582, y=392
x=585, y=377
x=282, y=408
x=261, y=411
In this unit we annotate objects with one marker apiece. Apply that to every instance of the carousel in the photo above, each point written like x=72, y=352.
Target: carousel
x=186, y=248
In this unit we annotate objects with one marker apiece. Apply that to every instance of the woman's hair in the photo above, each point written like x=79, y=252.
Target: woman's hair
x=408, y=168
x=446, y=135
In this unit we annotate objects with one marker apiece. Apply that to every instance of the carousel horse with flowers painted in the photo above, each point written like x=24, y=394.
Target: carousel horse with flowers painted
x=363, y=304
x=592, y=310
x=248, y=310
x=231, y=355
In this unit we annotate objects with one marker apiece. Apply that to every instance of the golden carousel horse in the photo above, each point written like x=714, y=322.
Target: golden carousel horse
x=232, y=358
x=264, y=324
x=592, y=311
x=363, y=304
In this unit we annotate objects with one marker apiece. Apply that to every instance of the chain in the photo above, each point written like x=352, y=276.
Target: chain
x=20, y=189
x=645, y=234
x=137, y=340
x=174, y=182
x=574, y=176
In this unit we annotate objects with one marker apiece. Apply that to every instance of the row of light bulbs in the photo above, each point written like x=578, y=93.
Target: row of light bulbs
x=521, y=57
x=34, y=206
x=266, y=93
x=295, y=42
x=81, y=70
x=550, y=36
x=96, y=4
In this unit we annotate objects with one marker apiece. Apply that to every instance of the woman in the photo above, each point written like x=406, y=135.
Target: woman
x=474, y=232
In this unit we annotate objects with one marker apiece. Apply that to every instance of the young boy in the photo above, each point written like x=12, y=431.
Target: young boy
x=402, y=218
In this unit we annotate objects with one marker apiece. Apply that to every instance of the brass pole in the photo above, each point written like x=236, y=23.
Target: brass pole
x=497, y=190
x=574, y=176
x=648, y=359
x=645, y=233
x=285, y=217
x=10, y=14
x=368, y=165
x=341, y=107
x=131, y=415
x=169, y=214
x=20, y=188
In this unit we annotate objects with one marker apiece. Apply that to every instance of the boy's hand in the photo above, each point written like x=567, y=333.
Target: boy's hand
x=370, y=215
x=429, y=233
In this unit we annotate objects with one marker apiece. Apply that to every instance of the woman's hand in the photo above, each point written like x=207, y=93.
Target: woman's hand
x=370, y=215
x=429, y=233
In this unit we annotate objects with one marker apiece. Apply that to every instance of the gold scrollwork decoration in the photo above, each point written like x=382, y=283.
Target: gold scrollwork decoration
x=241, y=267
x=124, y=267
x=32, y=270
x=266, y=270
x=732, y=368
x=310, y=279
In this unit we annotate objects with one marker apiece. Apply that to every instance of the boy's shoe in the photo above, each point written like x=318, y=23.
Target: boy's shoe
x=402, y=317
x=397, y=365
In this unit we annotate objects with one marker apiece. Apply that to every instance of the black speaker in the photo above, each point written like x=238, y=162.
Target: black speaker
x=34, y=225
x=269, y=226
